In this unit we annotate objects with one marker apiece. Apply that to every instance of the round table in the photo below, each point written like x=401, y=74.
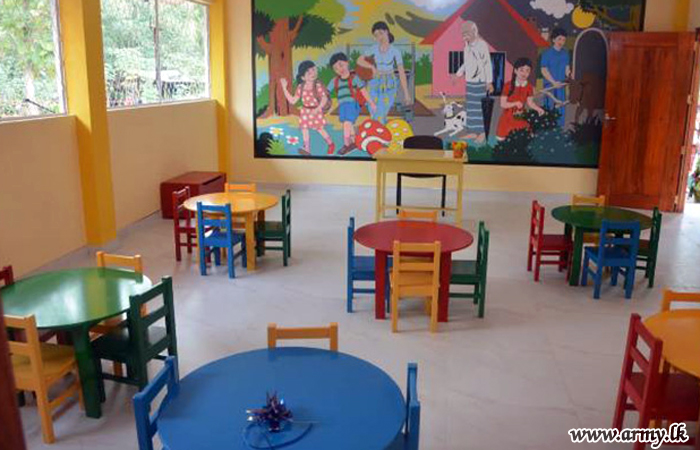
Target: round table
x=586, y=219
x=351, y=403
x=380, y=237
x=244, y=204
x=679, y=330
x=74, y=300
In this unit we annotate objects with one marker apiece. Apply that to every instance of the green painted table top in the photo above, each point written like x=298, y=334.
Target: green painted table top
x=74, y=297
x=592, y=217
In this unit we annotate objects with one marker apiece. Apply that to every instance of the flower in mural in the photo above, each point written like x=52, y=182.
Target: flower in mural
x=292, y=140
x=276, y=132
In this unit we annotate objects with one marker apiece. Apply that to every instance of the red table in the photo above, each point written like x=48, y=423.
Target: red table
x=380, y=236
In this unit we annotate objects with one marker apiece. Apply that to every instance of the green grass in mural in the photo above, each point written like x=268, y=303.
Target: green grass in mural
x=276, y=148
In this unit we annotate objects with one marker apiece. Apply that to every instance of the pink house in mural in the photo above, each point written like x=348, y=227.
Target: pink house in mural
x=500, y=25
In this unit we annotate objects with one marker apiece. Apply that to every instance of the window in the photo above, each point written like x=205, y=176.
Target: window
x=30, y=61
x=155, y=51
x=456, y=59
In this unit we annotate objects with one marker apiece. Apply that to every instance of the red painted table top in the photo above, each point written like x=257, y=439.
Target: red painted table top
x=381, y=235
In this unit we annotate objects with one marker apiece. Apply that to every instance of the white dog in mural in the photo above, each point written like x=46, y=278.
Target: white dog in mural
x=455, y=122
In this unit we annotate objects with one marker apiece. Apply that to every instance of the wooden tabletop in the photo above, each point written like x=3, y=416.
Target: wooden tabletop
x=680, y=332
x=241, y=202
x=69, y=298
x=381, y=235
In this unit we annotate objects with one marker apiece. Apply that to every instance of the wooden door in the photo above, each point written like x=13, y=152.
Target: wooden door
x=648, y=102
x=11, y=434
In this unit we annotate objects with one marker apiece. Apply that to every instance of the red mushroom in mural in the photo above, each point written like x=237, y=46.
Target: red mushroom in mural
x=372, y=136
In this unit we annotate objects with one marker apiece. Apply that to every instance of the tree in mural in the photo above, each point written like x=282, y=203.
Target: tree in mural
x=281, y=26
x=608, y=11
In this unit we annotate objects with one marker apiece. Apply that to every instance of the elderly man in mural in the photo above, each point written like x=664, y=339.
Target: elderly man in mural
x=556, y=70
x=477, y=70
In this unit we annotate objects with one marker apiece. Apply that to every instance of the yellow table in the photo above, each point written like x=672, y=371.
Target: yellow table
x=679, y=330
x=243, y=204
x=433, y=162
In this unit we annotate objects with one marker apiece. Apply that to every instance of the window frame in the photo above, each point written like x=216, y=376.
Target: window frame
x=60, y=63
x=158, y=68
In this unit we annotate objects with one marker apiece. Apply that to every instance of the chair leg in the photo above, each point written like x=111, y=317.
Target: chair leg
x=231, y=263
x=629, y=281
x=348, y=292
x=598, y=282
x=44, y=407
x=538, y=264
x=398, y=191
x=444, y=194
x=202, y=261
x=482, y=301
x=394, y=312
x=285, y=253
x=178, y=249
x=613, y=277
x=651, y=268
x=584, y=274
x=530, y=254
x=434, y=313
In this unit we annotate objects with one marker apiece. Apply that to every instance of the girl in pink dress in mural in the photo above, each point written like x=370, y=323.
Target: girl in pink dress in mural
x=314, y=99
x=517, y=95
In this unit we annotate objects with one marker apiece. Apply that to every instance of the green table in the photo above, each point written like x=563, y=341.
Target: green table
x=589, y=219
x=75, y=300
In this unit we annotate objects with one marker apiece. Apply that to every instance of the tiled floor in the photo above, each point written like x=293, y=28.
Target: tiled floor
x=545, y=359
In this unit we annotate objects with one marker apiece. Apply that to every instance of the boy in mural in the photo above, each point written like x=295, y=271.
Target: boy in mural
x=477, y=70
x=352, y=94
x=517, y=97
x=556, y=69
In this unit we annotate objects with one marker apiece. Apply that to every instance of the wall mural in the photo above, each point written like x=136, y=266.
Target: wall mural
x=522, y=81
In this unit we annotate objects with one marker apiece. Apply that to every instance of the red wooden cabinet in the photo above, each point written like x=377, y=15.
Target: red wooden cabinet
x=200, y=183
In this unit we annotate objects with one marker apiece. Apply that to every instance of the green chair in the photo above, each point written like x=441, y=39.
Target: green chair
x=473, y=273
x=277, y=232
x=139, y=340
x=649, y=249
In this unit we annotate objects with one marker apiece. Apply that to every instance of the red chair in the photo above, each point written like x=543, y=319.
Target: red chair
x=655, y=395
x=6, y=276
x=546, y=245
x=183, y=225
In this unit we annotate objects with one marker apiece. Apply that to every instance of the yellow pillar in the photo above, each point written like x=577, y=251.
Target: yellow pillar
x=218, y=59
x=682, y=15
x=81, y=35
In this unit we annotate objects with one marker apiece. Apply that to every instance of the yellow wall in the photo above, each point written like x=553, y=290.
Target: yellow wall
x=152, y=144
x=41, y=210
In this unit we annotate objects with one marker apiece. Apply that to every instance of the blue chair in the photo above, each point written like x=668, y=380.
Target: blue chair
x=216, y=233
x=411, y=432
x=618, y=248
x=147, y=424
x=360, y=268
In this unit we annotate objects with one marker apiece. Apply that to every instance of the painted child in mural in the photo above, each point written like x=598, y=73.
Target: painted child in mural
x=556, y=70
x=314, y=99
x=477, y=71
x=517, y=96
x=352, y=94
x=384, y=86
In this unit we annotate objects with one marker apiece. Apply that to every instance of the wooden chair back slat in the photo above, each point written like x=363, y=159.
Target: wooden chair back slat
x=109, y=260
x=584, y=200
x=241, y=187
x=671, y=297
x=275, y=333
x=411, y=214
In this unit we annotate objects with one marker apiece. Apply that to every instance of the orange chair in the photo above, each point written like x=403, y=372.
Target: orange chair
x=412, y=214
x=415, y=277
x=679, y=297
x=241, y=187
x=582, y=200
x=114, y=324
x=274, y=333
x=37, y=367
x=7, y=278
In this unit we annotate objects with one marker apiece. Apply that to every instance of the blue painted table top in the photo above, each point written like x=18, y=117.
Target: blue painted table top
x=353, y=404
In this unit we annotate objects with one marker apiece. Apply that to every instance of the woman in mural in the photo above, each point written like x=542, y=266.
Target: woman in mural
x=314, y=99
x=383, y=86
x=517, y=95
x=556, y=70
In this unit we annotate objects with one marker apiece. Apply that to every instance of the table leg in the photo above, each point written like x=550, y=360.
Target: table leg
x=444, y=299
x=575, y=274
x=89, y=378
x=261, y=224
x=250, y=240
x=460, y=193
x=380, y=260
x=378, y=200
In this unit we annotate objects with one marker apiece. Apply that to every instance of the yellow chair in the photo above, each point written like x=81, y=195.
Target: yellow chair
x=583, y=200
x=134, y=263
x=244, y=187
x=415, y=277
x=275, y=333
x=39, y=366
x=671, y=296
x=411, y=214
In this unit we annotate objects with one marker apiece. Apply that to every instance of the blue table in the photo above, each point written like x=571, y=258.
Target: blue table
x=353, y=404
